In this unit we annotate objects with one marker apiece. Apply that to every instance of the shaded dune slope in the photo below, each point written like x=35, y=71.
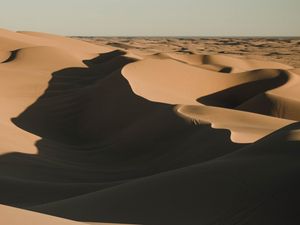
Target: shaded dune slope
x=240, y=188
x=97, y=134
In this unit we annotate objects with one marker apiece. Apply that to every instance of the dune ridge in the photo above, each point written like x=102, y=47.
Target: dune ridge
x=103, y=134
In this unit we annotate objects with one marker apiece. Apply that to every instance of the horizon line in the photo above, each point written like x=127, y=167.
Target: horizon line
x=184, y=36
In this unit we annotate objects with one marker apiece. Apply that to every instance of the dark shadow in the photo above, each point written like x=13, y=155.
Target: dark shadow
x=12, y=56
x=226, y=70
x=235, y=96
x=97, y=134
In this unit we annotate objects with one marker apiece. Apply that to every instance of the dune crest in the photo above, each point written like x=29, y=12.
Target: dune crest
x=111, y=134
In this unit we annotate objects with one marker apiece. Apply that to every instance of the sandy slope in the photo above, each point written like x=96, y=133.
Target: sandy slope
x=14, y=216
x=102, y=134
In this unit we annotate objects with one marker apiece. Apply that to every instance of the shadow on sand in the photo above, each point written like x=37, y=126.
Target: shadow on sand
x=108, y=155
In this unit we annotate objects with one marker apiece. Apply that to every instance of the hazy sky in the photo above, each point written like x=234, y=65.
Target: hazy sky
x=154, y=17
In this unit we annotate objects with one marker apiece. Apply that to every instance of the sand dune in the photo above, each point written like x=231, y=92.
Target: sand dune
x=281, y=50
x=242, y=187
x=14, y=216
x=125, y=134
x=244, y=127
x=188, y=84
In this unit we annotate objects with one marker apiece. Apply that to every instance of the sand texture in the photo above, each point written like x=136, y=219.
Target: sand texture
x=285, y=50
x=152, y=131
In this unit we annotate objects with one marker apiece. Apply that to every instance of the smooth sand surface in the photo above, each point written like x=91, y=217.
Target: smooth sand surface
x=15, y=216
x=135, y=132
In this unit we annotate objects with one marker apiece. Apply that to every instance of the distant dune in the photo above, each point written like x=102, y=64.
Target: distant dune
x=284, y=50
x=122, y=133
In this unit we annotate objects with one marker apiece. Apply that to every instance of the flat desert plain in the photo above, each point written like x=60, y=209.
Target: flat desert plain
x=154, y=131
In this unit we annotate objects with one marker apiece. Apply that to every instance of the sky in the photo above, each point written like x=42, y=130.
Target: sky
x=153, y=17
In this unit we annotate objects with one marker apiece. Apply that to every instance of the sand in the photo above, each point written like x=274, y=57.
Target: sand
x=14, y=216
x=283, y=50
x=148, y=131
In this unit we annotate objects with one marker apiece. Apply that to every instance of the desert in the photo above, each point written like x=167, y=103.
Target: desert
x=158, y=131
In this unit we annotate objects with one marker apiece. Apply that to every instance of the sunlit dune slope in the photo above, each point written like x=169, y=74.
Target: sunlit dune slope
x=100, y=134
